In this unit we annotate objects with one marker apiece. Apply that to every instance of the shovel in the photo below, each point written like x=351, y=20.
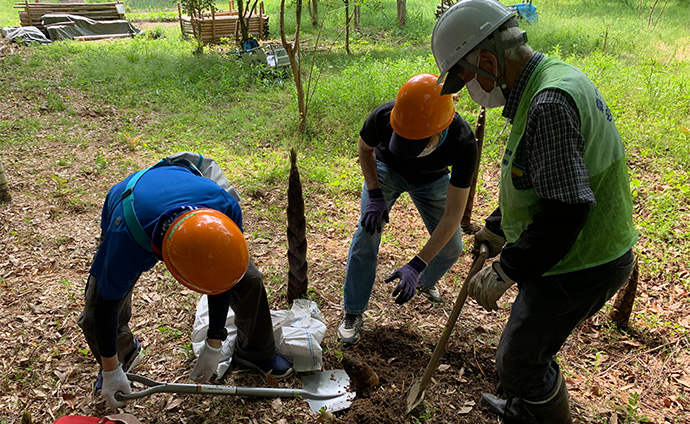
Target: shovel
x=416, y=392
x=325, y=391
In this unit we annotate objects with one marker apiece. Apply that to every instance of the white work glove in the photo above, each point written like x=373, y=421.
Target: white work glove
x=206, y=364
x=489, y=285
x=494, y=241
x=115, y=381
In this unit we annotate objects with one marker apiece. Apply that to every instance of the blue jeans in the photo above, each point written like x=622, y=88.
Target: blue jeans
x=430, y=201
x=543, y=315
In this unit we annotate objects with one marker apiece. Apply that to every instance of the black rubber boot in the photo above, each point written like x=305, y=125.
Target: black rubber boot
x=554, y=409
x=511, y=410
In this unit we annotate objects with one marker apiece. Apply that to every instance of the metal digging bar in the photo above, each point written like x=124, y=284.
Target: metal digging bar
x=324, y=391
x=416, y=392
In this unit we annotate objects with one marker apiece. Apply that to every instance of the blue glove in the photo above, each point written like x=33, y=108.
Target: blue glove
x=375, y=212
x=409, y=278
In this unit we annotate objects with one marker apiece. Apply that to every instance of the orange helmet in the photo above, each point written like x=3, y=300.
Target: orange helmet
x=420, y=111
x=205, y=251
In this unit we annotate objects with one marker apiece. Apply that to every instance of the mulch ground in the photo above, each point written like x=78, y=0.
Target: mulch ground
x=48, y=237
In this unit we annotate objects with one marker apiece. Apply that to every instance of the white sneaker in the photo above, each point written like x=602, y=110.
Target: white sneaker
x=350, y=328
x=430, y=293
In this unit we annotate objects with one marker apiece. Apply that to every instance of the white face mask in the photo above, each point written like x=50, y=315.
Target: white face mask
x=489, y=100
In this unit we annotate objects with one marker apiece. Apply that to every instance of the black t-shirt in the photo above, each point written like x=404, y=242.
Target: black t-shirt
x=458, y=151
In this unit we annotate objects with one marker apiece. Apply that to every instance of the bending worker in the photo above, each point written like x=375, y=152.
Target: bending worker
x=183, y=211
x=407, y=145
x=565, y=207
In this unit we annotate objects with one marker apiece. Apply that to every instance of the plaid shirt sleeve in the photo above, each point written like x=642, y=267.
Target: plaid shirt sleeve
x=554, y=149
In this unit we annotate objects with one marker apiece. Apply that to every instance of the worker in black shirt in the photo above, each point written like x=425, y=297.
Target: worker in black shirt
x=408, y=146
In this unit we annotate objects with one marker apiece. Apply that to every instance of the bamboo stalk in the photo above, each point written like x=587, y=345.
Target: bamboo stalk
x=479, y=129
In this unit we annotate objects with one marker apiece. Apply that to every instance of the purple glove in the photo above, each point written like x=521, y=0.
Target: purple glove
x=409, y=278
x=375, y=212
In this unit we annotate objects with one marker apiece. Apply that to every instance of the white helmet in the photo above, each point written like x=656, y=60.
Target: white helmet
x=468, y=25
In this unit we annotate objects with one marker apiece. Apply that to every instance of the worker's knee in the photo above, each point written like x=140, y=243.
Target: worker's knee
x=513, y=372
x=522, y=377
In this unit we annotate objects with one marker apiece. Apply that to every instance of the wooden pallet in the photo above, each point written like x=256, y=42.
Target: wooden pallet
x=33, y=12
x=224, y=24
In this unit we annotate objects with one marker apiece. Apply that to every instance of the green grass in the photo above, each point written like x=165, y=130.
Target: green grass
x=8, y=15
x=157, y=96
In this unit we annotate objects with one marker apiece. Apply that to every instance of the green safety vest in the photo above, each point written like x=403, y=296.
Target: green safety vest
x=609, y=231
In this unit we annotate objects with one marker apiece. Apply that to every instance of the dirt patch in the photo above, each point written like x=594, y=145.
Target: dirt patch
x=48, y=237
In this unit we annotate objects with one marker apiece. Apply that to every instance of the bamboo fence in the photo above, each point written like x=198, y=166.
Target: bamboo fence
x=224, y=24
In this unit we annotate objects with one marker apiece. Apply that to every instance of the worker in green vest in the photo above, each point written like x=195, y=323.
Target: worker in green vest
x=564, y=226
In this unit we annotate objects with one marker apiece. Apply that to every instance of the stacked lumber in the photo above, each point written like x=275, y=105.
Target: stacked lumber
x=445, y=5
x=33, y=12
x=224, y=24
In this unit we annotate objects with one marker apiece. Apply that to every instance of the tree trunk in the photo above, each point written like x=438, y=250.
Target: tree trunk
x=243, y=10
x=314, y=12
x=292, y=51
x=358, y=15
x=296, y=235
x=5, y=196
x=402, y=12
x=347, y=26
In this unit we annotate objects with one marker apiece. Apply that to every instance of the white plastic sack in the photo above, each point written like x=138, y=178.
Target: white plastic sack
x=298, y=334
x=227, y=348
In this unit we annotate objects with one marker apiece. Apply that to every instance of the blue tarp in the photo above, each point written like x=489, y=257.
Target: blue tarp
x=526, y=11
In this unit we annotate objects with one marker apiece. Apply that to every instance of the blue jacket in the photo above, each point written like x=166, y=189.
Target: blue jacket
x=120, y=259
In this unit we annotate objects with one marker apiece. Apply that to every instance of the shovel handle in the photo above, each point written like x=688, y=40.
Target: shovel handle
x=340, y=388
x=414, y=398
x=209, y=389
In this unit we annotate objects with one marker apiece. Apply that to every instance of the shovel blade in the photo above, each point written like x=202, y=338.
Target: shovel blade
x=327, y=391
x=415, y=396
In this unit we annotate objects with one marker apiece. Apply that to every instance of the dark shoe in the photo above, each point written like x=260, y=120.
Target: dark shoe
x=553, y=409
x=98, y=385
x=349, y=330
x=511, y=410
x=133, y=360
x=276, y=366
